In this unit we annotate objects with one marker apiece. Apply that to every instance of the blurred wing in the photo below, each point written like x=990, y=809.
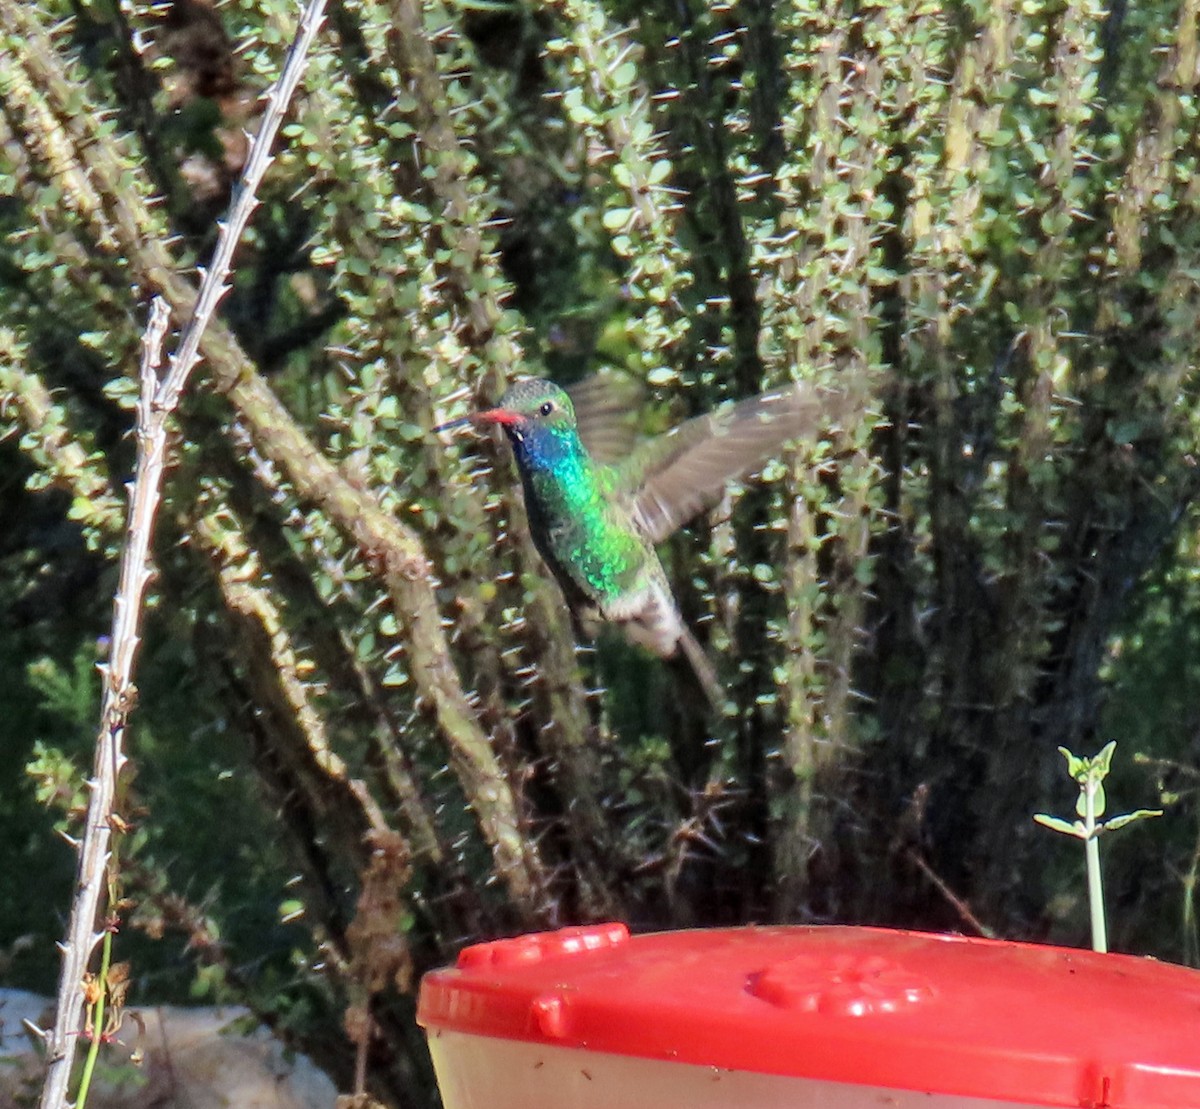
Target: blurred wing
x=606, y=412
x=672, y=478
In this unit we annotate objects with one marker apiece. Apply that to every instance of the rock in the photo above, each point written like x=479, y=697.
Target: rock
x=167, y=1057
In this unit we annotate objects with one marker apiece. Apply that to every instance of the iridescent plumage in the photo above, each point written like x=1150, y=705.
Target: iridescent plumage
x=596, y=522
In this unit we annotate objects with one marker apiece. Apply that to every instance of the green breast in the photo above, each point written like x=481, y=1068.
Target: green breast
x=584, y=537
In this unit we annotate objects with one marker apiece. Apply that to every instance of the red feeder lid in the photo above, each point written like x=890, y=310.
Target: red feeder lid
x=903, y=1010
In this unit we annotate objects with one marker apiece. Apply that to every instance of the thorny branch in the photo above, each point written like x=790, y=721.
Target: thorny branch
x=157, y=402
x=120, y=695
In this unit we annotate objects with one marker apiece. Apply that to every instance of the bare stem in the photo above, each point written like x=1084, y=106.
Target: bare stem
x=157, y=402
x=118, y=699
x=1091, y=847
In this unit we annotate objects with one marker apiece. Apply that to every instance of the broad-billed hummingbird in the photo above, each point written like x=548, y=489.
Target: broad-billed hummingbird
x=598, y=504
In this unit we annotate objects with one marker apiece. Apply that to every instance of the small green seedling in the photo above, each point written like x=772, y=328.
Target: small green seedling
x=1090, y=774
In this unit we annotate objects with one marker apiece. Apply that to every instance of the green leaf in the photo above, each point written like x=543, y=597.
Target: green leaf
x=624, y=75
x=1129, y=818
x=1075, y=765
x=615, y=219
x=1099, y=799
x=395, y=676
x=1064, y=826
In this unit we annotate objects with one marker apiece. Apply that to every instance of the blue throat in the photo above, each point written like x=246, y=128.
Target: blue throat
x=547, y=450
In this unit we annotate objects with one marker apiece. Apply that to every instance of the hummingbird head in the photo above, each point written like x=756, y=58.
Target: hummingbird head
x=538, y=418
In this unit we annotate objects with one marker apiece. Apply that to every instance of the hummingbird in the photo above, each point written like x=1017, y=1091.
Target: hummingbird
x=598, y=503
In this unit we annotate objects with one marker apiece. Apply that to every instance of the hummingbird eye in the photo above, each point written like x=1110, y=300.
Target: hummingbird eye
x=547, y=408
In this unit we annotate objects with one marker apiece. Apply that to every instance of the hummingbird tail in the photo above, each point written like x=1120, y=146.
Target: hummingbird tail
x=706, y=673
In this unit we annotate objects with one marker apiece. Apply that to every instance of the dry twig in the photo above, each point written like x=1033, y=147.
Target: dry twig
x=157, y=403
